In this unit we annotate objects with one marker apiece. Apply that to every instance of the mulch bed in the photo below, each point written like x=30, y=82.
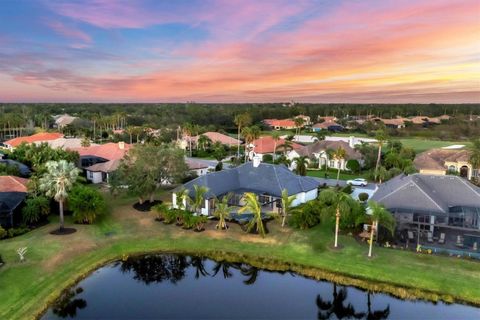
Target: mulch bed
x=146, y=206
x=63, y=232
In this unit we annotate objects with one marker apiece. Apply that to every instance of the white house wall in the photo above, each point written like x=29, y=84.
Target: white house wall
x=95, y=177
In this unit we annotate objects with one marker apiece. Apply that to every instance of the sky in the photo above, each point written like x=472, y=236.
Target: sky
x=240, y=51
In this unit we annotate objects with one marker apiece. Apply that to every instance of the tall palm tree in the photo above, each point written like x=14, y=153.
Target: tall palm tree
x=253, y=206
x=57, y=182
x=276, y=138
x=339, y=155
x=203, y=141
x=250, y=134
x=337, y=306
x=298, y=124
x=475, y=155
x=199, y=195
x=339, y=201
x=222, y=212
x=377, y=215
x=184, y=198
x=381, y=136
x=287, y=145
x=287, y=208
x=301, y=165
x=241, y=120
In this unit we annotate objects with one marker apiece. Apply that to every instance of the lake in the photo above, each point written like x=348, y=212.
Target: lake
x=184, y=287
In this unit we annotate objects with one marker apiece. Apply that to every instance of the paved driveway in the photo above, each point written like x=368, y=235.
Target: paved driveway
x=369, y=189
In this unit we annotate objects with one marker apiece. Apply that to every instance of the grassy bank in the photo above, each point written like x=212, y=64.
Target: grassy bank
x=54, y=262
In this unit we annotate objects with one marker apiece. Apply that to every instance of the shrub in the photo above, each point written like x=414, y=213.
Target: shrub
x=219, y=166
x=87, y=204
x=199, y=222
x=35, y=208
x=268, y=158
x=188, y=220
x=363, y=196
x=170, y=216
x=13, y=232
x=307, y=216
x=353, y=165
x=347, y=189
x=3, y=233
x=159, y=211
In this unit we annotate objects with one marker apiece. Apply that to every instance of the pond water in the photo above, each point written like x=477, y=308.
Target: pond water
x=184, y=287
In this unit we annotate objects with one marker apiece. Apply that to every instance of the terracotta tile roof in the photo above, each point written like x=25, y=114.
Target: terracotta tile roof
x=108, y=151
x=394, y=122
x=38, y=137
x=218, y=137
x=284, y=123
x=435, y=159
x=266, y=144
x=13, y=184
x=325, y=125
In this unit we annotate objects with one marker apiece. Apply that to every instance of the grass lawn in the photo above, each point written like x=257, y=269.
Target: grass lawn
x=332, y=174
x=54, y=262
x=420, y=145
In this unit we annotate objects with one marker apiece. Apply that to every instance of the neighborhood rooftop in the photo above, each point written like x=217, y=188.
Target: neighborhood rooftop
x=266, y=178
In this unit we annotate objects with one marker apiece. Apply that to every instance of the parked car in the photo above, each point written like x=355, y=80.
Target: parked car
x=358, y=182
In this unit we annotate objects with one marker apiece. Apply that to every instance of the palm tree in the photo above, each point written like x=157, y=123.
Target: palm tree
x=184, y=197
x=276, y=138
x=198, y=199
x=381, y=137
x=253, y=206
x=250, y=134
x=377, y=215
x=298, y=124
x=301, y=165
x=475, y=155
x=382, y=174
x=340, y=201
x=287, y=145
x=241, y=120
x=339, y=155
x=287, y=208
x=57, y=182
x=222, y=212
x=203, y=141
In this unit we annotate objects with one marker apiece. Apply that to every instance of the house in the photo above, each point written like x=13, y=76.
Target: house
x=266, y=145
x=396, y=123
x=326, y=119
x=23, y=169
x=352, y=141
x=99, y=161
x=302, y=138
x=218, y=137
x=265, y=180
x=13, y=191
x=35, y=138
x=61, y=121
x=441, y=161
x=65, y=143
x=306, y=119
x=437, y=204
x=327, y=125
x=321, y=150
x=199, y=167
x=276, y=124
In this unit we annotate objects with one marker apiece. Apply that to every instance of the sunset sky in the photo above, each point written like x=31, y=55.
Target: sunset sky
x=240, y=51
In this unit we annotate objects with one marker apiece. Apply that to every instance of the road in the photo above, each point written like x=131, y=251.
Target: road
x=368, y=189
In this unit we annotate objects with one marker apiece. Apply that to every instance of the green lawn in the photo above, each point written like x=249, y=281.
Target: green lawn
x=54, y=262
x=332, y=174
x=420, y=145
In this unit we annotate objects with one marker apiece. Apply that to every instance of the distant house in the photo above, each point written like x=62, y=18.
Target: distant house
x=265, y=180
x=266, y=145
x=219, y=137
x=99, y=161
x=438, y=204
x=352, y=141
x=35, y=138
x=320, y=151
x=65, y=144
x=13, y=191
x=301, y=138
x=277, y=124
x=198, y=167
x=327, y=119
x=396, y=123
x=442, y=161
x=327, y=125
x=61, y=121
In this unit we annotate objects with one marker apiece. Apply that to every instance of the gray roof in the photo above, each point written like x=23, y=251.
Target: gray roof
x=428, y=193
x=10, y=200
x=266, y=178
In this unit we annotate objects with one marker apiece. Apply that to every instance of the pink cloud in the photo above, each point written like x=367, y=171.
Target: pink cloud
x=69, y=32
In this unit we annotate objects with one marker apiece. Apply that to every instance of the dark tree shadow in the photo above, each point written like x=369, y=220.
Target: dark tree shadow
x=156, y=268
x=66, y=306
x=337, y=306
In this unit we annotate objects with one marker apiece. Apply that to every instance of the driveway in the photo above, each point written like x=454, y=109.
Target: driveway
x=210, y=163
x=368, y=189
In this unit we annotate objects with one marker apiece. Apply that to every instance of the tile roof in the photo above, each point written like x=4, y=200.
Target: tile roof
x=266, y=144
x=325, y=145
x=195, y=164
x=326, y=125
x=435, y=159
x=64, y=143
x=218, y=137
x=427, y=192
x=13, y=184
x=38, y=137
x=266, y=178
x=283, y=123
x=108, y=166
x=108, y=151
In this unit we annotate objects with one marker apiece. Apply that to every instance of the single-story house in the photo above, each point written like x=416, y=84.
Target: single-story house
x=320, y=151
x=352, y=141
x=199, y=167
x=327, y=119
x=441, y=161
x=13, y=191
x=327, y=125
x=99, y=161
x=265, y=180
x=35, y=138
x=61, y=121
x=65, y=143
x=396, y=123
x=266, y=145
x=438, y=204
x=277, y=124
x=302, y=138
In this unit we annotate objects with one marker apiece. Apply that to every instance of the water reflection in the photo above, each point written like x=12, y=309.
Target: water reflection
x=337, y=306
x=67, y=305
x=156, y=268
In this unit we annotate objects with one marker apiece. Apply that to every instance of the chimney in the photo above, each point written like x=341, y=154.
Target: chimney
x=351, y=143
x=256, y=161
x=121, y=145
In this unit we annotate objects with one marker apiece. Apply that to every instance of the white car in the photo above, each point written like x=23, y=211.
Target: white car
x=358, y=182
